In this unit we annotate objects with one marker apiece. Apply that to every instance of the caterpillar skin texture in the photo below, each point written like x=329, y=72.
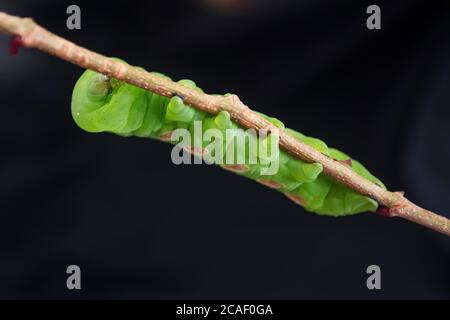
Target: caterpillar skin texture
x=100, y=104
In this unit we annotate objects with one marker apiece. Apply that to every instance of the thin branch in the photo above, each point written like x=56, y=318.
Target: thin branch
x=394, y=204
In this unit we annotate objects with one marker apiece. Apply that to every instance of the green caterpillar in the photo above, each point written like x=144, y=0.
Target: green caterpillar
x=101, y=104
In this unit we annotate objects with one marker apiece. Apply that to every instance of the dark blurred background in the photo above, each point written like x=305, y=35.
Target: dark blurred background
x=141, y=227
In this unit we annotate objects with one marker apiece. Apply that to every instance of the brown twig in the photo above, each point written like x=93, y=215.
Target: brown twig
x=34, y=36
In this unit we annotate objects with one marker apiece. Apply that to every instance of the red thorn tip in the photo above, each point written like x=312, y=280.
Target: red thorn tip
x=15, y=42
x=347, y=162
x=383, y=211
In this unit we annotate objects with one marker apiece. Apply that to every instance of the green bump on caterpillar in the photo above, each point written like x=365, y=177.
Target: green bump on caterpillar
x=100, y=104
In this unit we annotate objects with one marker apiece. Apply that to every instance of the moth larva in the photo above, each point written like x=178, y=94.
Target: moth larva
x=102, y=104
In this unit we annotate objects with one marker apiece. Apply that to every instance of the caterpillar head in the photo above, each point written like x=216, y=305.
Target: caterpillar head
x=99, y=86
x=100, y=103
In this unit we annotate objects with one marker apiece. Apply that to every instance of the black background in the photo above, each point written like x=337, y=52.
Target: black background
x=141, y=227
